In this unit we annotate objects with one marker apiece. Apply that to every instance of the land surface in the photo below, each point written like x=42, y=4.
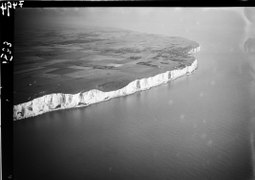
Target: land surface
x=78, y=60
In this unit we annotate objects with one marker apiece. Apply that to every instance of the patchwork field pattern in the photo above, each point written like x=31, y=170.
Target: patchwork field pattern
x=74, y=60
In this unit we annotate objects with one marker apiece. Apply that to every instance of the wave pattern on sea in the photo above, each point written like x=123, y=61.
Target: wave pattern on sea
x=57, y=101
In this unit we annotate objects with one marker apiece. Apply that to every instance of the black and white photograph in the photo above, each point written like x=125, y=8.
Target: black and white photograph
x=133, y=93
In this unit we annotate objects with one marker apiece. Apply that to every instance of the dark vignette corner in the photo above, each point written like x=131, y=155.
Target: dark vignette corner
x=7, y=29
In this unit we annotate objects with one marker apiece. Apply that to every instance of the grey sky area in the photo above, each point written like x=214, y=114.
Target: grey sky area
x=167, y=21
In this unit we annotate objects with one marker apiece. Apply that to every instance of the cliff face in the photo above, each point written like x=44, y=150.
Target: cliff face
x=58, y=101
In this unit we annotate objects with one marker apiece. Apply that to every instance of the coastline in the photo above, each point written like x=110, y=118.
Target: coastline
x=58, y=101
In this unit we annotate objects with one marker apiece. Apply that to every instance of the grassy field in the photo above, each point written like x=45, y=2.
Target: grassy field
x=75, y=60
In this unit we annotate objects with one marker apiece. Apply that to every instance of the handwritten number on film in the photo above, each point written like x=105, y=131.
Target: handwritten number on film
x=7, y=5
x=6, y=54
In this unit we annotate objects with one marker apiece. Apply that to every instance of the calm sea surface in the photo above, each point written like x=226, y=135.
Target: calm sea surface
x=194, y=128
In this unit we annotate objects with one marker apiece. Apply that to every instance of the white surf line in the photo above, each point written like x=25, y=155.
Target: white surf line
x=58, y=101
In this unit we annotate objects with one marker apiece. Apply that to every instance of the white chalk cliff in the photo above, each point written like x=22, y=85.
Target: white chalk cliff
x=57, y=101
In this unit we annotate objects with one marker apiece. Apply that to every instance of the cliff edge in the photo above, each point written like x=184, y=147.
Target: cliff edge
x=69, y=67
x=57, y=101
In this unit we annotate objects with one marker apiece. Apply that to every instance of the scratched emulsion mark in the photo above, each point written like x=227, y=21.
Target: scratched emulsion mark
x=248, y=47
